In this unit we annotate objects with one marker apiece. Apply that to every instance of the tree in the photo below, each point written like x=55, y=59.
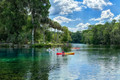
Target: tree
x=106, y=34
x=20, y=18
x=87, y=37
x=12, y=18
x=66, y=35
x=76, y=37
x=115, y=34
x=39, y=10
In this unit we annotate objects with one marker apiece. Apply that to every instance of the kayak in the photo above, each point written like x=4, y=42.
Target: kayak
x=75, y=48
x=70, y=53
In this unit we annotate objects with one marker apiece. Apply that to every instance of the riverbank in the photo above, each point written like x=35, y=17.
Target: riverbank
x=37, y=45
x=46, y=45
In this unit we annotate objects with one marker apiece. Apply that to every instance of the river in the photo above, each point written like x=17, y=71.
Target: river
x=88, y=63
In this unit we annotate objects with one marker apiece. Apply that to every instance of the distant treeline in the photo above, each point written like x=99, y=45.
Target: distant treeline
x=76, y=37
x=107, y=34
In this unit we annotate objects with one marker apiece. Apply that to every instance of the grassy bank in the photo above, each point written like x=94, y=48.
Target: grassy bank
x=46, y=45
x=37, y=45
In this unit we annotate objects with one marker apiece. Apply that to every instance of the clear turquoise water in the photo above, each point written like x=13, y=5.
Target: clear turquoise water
x=88, y=63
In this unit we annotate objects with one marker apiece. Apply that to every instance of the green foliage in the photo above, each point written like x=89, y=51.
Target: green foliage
x=66, y=47
x=48, y=36
x=87, y=36
x=66, y=36
x=26, y=21
x=46, y=45
x=106, y=34
x=12, y=18
x=76, y=37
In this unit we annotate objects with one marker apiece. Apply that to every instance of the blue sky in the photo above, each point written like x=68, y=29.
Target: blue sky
x=77, y=15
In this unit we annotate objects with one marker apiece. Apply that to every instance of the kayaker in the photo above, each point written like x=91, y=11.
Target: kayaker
x=63, y=53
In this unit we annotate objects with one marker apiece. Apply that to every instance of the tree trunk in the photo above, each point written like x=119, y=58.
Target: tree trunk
x=57, y=37
x=33, y=29
x=33, y=32
x=54, y=35
x=44, y=36
x=44, y=28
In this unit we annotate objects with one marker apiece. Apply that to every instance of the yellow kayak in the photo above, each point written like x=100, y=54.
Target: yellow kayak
x=70, y=53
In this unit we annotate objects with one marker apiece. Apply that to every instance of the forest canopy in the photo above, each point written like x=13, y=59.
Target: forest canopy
x=28, y=22
x=106, y=34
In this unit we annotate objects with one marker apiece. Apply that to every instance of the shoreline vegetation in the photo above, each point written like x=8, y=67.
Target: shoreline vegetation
x=10, y=45
x=40, y=45
x=103, y=34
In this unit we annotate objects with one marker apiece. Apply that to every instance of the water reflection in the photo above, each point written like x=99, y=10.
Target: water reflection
x=108, y=61
x=21, y=64
x=88, y=63
x=102, y=63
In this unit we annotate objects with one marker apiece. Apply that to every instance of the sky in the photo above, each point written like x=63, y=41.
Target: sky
x=77, y=15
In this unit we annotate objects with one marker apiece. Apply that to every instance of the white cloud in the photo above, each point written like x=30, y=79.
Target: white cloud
x=117, y=17
x=100, y=23
x=97, y=4
x=80, y=27
x=65, y=6
x=106, y=15
x=61, y=19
